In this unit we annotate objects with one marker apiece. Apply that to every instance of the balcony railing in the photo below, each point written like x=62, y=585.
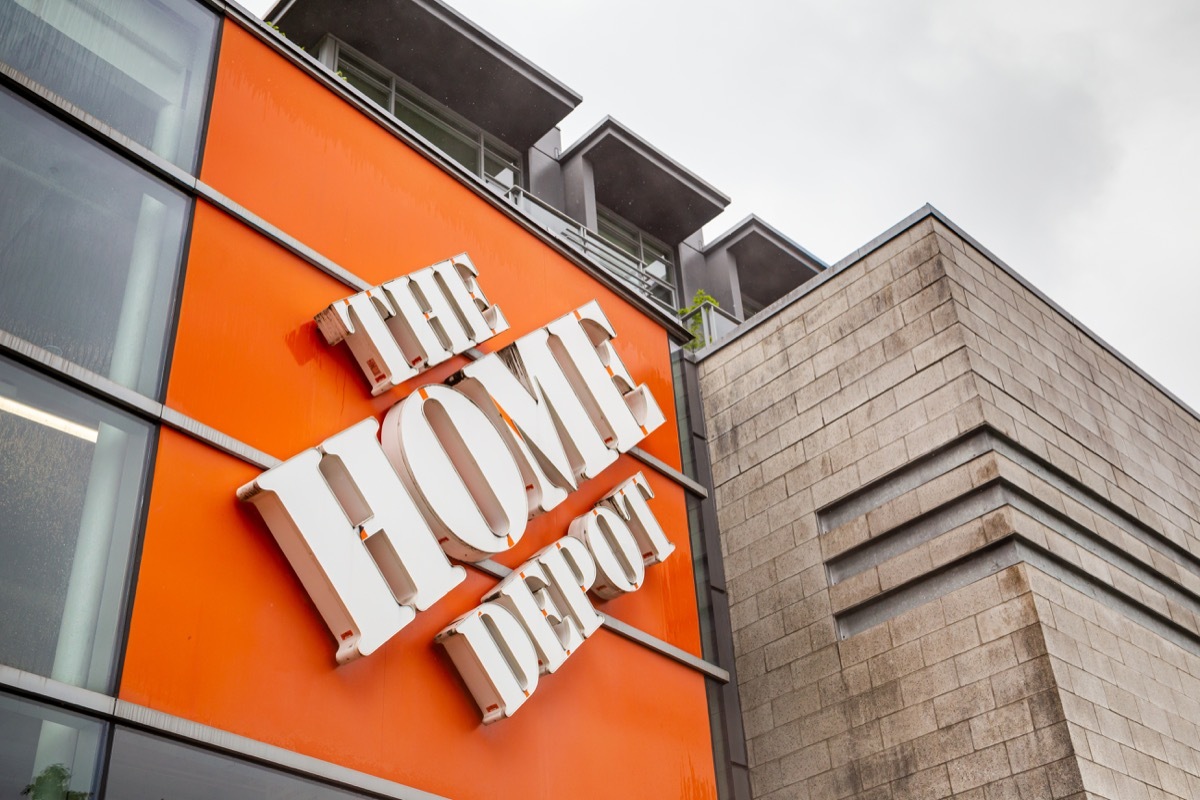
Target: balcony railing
x=628, y=269
x=708, y=323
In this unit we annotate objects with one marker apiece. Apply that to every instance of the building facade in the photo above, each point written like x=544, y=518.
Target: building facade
x=960, y=536
x=362, y=439
x=215, y=583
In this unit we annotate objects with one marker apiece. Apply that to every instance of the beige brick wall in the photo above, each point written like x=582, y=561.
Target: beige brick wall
x=917, y=461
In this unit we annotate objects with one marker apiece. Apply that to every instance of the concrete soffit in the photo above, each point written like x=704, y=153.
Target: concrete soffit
x=753, y=224
x=643, y=184
x=769, y=264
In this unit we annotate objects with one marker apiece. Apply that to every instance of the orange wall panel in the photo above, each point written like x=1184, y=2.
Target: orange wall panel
x=249, y=362
x=301, y=157
x=223, y=633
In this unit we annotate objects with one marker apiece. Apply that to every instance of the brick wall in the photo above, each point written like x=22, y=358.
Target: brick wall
x=960, y=539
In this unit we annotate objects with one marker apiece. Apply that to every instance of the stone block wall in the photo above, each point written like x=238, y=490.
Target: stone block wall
x=961, y=538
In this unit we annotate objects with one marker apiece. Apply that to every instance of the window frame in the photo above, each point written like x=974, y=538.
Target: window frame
x=331, y=51
x=640, y=239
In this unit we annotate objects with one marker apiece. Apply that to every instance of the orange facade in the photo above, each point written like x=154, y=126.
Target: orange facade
x=222, y=631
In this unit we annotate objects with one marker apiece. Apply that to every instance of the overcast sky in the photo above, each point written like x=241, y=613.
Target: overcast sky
x=1063, y=135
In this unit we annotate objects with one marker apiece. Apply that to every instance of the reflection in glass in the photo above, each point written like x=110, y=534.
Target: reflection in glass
x=148, y=768
x=360, y=78
x=46, y=753
x=139, y=66
x=453, y=135
x=89, y=249
x=651, y=261
x=70, y=498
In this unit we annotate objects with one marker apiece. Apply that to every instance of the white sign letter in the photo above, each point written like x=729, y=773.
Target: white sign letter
x=495, y=658
x=526, y=594
x=616, y=551
x=523, y=418
x=451, y=457
x=354, y=538
x=629, y=500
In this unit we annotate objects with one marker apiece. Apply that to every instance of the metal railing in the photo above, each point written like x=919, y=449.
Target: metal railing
x=708, y=323
x=625, y=267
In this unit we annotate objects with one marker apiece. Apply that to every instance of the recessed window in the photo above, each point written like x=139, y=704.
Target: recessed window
x=90, y=249
x=139, y=66
x=649, y=262
x=456, y=137
x=71, y=492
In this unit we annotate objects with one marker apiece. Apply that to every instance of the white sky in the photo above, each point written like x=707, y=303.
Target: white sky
x=1064, y=136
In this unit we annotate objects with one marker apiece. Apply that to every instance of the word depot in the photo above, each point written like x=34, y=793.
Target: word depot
x=370, y=519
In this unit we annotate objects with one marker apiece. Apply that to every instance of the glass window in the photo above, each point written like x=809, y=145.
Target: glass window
x=443, y=137
x=650, y=260
x=501, y=168
x=368, y=81
x=146, y=767
x=71, y=494
x=46, y=752
x=611, y=229
x=89, y=249
x=140, y=66
x=456, y=137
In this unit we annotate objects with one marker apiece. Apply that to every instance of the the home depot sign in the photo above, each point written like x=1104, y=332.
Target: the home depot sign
x=370, y=520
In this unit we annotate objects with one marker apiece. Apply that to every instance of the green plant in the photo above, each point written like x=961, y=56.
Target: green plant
x=53, y=783
x=695, y=323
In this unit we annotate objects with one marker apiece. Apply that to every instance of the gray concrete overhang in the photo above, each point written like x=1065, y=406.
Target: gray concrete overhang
x=644, y=185
x=443, y=54
x=769, y=264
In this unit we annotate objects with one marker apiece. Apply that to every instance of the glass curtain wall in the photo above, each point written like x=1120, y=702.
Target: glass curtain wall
x=47, y=753
x=139, y=66
x=144, y=767
x=72, y=478
x=89, y=249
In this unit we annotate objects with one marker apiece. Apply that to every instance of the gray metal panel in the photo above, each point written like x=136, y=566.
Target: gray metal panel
x=545, y=173
x=212, y=436
x=753, y=222
x=666, y=469
x=714, y=272
x=27, y=683
x=114, y=392
x=666, y=648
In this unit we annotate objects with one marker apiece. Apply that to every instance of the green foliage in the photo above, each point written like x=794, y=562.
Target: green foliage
x=53, y=783
x=696, y=323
